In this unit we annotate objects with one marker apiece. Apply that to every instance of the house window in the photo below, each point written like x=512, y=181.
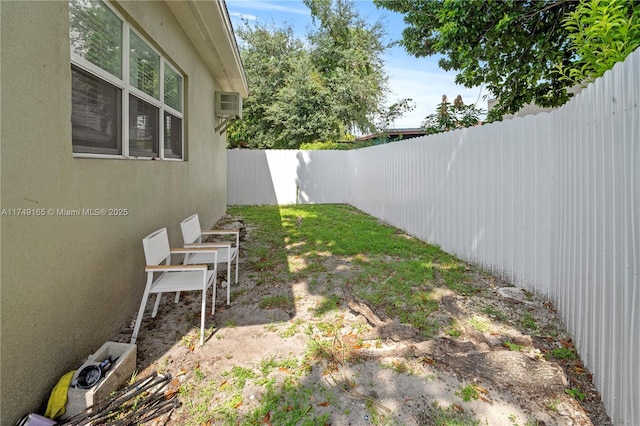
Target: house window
x=127, y=99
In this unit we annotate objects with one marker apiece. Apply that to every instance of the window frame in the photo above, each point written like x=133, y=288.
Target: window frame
x=127, y=90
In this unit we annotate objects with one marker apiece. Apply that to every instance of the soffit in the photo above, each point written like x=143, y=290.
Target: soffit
x=208, y=25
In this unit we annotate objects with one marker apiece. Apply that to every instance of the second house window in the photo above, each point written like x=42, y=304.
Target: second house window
x=127, y=100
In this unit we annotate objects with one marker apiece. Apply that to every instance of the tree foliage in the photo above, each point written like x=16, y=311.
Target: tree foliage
x=387, y=115
x=602, y=32
x=286, y=92
x=516, y=48
x=347, y=51
x=317, y=89
x=510, y=46
x=451, y=116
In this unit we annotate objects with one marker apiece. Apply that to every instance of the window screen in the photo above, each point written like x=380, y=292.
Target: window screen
x=143, y=128
x=172, y=88
x=95, y=114
x=95, y=34
x=127, y=106
x=172, y=136
x=144, y=67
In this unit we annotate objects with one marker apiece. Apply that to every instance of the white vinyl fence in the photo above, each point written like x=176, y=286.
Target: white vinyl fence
x=549, y=202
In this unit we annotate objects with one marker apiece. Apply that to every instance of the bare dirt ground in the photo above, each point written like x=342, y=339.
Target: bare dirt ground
x=373, y=370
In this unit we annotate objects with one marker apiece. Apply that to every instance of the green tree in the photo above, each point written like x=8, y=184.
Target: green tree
x=510, y=46
x=451, y=116
x=602, y=32
x=522, y=50
x=387, y=115
x=313, y=90
x=289, y=103
x=347, y=51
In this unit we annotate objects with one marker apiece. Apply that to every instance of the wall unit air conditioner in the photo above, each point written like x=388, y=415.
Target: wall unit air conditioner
x=228, y=104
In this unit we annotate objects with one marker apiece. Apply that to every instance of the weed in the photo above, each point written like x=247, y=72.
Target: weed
x=198, y=373
x=399, y=367
x=276, y=302
x=272, y=328
x=241, y=375
x=292, y=330
x=134, y=376
x=494, y=313
x=286, y=404
x=480, y=324
x=328, y=304
x=553, y=405
x=446, y=416
x=334, y=347
x=564, y=353
x=552, y=332
x=575, y=393
x=237, y=293
x=453, y=332
x=162, y=367
x=530, y=420
x=318, y=349
x=187, y=340
x=528, y=322
x=513, y=346
x=360, y=328
x=268, y=364
x=197, y=401
x=467, y=393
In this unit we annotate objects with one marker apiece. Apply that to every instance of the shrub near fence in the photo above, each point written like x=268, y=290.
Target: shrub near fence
x=549, y=202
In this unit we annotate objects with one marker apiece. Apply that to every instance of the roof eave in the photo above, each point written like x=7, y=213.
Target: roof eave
x=208, y=26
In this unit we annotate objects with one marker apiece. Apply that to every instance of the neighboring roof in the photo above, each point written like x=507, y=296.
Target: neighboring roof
x=395, y=133
x=208, y=25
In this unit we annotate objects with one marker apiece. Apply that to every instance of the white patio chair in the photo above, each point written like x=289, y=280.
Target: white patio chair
x=192, y=235
x=174, y=277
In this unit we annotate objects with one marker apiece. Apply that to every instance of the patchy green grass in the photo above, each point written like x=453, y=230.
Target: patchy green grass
x=528, y=322
x=513, y=346
x=480, y=324
x=575, y=393
x=291, y=330
x=329, y=303
x=284, y=401
x=494, y=313
x=276, y=302
x=564, y=354
x=453, y=415
x=399, y=367
x=395, y=273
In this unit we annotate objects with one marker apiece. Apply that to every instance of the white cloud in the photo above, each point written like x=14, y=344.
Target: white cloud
x=243, y=16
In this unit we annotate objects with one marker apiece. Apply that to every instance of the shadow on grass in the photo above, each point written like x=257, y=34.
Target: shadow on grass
x=289, y=351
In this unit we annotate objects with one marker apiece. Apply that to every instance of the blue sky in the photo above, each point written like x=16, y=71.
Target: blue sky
x=417, y=78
